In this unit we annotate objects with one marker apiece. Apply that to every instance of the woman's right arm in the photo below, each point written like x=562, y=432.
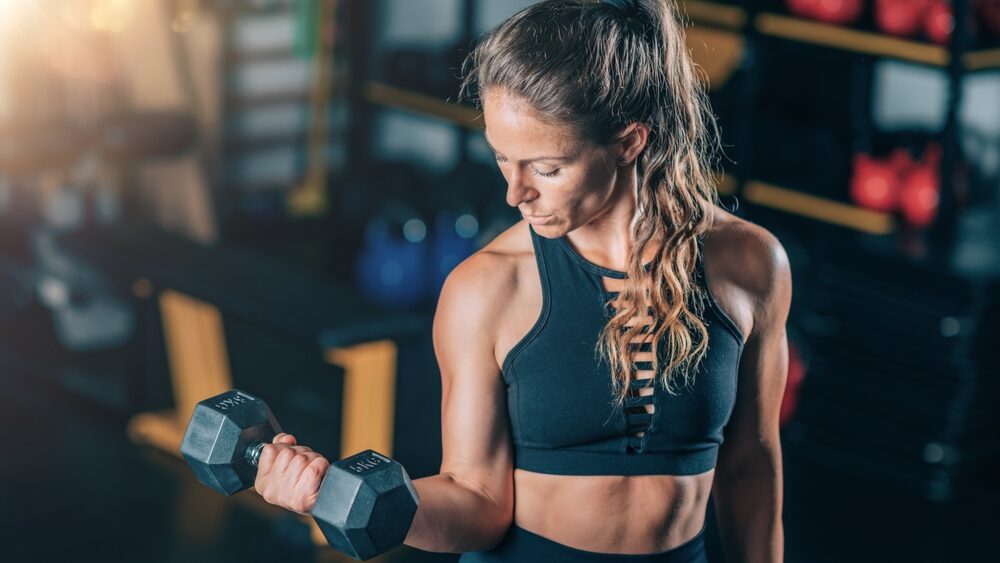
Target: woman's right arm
x=470, y=504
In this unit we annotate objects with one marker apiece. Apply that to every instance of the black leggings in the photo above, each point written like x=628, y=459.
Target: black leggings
x=525, y=547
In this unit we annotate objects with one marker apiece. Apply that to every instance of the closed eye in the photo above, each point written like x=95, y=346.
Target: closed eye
x=501, y=160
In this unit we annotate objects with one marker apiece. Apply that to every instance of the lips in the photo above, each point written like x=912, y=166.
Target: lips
x=538, y=219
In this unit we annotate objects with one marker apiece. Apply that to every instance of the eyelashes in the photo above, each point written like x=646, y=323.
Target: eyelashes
x=533, y=171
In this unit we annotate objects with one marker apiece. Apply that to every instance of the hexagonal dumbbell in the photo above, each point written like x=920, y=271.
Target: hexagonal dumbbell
x=366, y=502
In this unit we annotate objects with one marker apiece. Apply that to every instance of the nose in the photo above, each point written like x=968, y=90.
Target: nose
x=519, y=191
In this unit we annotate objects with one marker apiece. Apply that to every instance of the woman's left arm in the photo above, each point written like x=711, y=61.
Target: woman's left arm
x=748, y=481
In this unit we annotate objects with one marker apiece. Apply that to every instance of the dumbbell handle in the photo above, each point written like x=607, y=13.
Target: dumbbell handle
x=255, y=449
x=253, y=453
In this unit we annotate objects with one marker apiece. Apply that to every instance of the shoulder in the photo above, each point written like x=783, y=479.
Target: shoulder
x=495, y=267
x=476, y=291
x=752, y=267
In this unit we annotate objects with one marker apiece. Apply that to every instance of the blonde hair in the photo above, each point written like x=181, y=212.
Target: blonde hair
x=597, y=69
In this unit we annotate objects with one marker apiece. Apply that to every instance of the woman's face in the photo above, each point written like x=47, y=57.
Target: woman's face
x=556, y=181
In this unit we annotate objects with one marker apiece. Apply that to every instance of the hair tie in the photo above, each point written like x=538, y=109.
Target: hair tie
x=627, y=7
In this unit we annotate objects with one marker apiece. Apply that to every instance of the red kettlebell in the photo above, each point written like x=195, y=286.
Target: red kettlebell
x=874, y=184
x=920, y=189
x=939, y=22
x=803, y=8
x=902, y=164
x=838, y=12
x=903, y=18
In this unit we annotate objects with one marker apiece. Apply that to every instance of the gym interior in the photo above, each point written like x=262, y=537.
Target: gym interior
x=267, y=195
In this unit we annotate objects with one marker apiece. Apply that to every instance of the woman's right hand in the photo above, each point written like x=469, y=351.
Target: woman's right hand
x=289, y=475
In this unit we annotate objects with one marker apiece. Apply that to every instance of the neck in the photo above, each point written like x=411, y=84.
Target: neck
x=607, y=239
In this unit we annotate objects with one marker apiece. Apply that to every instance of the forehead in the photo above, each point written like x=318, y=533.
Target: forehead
x=514, y=127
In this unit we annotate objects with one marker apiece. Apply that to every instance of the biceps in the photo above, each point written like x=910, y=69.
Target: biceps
x=475, y=434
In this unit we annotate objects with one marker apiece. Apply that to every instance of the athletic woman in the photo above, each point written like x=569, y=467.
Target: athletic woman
x=618, y=355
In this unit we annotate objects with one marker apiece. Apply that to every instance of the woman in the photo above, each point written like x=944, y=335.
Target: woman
x=595, y=355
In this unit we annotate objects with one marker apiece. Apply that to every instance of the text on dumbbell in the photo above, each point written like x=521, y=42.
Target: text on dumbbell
x=365, y=464
x=236, y=399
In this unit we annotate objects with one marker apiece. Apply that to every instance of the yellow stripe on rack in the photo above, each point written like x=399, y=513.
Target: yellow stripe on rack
x=389, y=96
x=850, y=39
x=818, y=208
x=716, y=14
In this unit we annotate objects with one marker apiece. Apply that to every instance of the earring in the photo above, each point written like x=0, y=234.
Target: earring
x=621, y=162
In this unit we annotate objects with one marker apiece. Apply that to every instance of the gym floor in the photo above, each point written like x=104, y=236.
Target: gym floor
x=74, y=488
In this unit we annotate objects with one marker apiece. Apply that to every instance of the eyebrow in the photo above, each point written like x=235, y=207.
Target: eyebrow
x=560, y=158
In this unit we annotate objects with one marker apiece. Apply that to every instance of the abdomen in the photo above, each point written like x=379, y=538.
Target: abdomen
x=611, y=513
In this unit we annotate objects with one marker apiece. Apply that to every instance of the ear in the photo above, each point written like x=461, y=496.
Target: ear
x=632, y=141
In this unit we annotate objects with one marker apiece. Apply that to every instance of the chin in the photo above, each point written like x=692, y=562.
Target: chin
x=550, y=231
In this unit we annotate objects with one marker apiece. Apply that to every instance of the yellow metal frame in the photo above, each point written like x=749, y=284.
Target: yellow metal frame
x=847, y=39
x=716, y=14
x=980, y=60
x=818, y=208
x=728, y=185
x=309, y=199
x=199, y=368
x=389, y=96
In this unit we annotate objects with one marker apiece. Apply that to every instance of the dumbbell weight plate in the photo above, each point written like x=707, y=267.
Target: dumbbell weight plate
x=216, y=441
x=366, y=505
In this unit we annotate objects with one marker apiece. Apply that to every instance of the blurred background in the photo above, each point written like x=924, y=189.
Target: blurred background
x=268, y=194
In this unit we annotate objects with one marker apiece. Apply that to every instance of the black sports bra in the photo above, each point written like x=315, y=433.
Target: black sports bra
x=559, y=393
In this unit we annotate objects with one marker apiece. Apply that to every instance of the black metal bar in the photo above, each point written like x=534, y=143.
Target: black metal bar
x=359, y=28
x=470, y=11
x=944, y=230
x=862, y=70
x=745, y=119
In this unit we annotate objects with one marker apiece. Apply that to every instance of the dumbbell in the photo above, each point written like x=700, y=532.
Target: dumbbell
x=366, y=502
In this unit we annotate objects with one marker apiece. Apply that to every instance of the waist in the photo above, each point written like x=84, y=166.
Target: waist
x=630, y=514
